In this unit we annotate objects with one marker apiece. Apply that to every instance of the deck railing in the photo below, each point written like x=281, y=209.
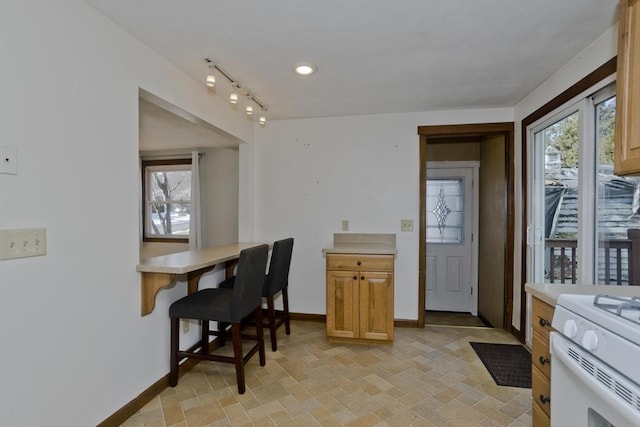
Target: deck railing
x=618, y=260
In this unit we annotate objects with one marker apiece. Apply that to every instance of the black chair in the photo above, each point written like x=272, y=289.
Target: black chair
x=227, y=306
x=277, y=280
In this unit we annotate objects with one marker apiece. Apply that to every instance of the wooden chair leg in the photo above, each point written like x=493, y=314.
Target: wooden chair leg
x=222, y=333
x=260, y=335
x=271, y=316
x=175, y=337
x=285, y=305
x=204, y=336
x=237, y=355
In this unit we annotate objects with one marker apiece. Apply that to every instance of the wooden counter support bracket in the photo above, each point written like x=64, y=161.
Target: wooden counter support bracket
x=193, y=278
x=150, y=284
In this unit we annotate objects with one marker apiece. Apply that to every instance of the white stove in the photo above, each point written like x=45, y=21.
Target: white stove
x=595, y=365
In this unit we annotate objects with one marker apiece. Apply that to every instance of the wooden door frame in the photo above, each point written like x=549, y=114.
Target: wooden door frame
x=434, y=134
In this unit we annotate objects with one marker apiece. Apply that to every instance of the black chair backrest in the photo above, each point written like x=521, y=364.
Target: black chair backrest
x=278, y=277
x=249, y=283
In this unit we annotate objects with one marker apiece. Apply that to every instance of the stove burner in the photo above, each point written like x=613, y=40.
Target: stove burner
x=620, y=306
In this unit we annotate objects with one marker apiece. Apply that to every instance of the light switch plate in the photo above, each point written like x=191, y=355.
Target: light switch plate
x=345, y=225
x=23, y=243
x=406, y=225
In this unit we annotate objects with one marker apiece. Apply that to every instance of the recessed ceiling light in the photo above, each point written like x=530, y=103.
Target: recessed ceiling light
x=304, y=69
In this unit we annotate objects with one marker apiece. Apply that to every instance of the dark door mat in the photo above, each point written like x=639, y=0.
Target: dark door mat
x=508, y=364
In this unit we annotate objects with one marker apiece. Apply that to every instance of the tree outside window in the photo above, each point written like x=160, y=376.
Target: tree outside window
x=167, y=190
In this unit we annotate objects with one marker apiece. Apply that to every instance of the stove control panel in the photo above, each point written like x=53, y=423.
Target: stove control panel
x=609, y=347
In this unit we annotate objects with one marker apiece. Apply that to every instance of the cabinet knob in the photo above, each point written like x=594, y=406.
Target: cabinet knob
x=359, y=263
x=543, y=360
x=361, y=277
x=544, y=322
x=544, y=399
x=355, y=277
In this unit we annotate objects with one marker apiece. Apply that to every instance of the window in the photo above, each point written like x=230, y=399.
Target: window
x=445, y=211
x=580, y=210
x=167, y=200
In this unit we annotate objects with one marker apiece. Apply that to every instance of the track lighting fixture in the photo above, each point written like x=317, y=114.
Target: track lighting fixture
x=236, y=90
x=233, y=97
x=211, y=79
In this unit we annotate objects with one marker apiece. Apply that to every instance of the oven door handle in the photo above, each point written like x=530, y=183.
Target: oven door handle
x=559, y=351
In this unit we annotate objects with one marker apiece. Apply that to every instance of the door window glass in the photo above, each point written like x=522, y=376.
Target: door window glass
x=617, y=204
x=445, y=211
x=561, y=198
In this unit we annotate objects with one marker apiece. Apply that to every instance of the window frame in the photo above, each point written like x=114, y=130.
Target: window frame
x=145, y=164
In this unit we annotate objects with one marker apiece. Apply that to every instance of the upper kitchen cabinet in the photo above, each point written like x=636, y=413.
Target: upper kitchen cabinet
x=627, y=152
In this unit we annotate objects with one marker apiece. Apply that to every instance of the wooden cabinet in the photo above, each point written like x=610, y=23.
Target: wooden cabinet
x=360, y=298
x=627, y=149
x=541, y=316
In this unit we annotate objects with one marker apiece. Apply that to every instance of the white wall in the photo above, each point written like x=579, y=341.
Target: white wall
x=74, y=346
x=302, y=177
x=219, y=169
x=310, y=174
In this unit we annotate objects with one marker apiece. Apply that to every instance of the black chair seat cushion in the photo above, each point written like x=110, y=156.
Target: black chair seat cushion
x=206, y=304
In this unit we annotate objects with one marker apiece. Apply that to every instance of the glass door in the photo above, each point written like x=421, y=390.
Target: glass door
x=552, y=235
x=617, y=208
x=582, y=216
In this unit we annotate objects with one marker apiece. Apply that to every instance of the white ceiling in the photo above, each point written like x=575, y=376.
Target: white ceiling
x=373, y=56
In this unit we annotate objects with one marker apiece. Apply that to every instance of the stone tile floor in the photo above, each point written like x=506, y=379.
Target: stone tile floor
x=428, y=377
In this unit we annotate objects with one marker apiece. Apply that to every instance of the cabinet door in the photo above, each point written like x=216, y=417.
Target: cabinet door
x=627, y=150
x=376, y=306
x=342, y=304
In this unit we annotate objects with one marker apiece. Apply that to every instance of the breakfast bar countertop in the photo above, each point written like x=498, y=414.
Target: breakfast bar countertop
x=362, y=243
x=549, y=292
x=184, y=262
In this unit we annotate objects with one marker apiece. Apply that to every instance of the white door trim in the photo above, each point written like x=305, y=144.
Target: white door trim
x=475, y=166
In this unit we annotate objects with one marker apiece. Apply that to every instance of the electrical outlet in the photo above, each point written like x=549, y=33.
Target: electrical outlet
x=185, y=325
x=406, y=225
x=23, y=243
x=345, y=225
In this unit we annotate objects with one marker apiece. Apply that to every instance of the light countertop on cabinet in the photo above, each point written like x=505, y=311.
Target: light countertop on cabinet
x=362, y=243
x=548, y=292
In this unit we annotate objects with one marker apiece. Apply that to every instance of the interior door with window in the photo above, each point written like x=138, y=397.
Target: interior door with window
x=449, y=246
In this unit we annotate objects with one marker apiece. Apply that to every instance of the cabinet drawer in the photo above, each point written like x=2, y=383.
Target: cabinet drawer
x=540, y=355
x=539, y=417
x=541, y=316
x=541, y=390
x=360, y=262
